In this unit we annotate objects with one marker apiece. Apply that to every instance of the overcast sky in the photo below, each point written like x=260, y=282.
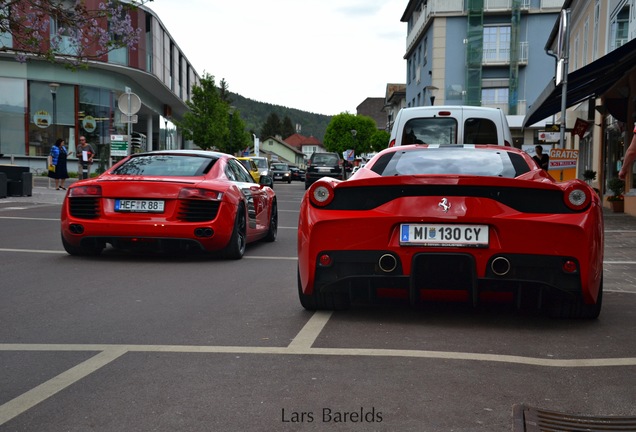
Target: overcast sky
x=321, y=56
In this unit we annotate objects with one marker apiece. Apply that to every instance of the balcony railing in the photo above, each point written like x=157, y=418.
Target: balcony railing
x=502, y=56
x=433, y=7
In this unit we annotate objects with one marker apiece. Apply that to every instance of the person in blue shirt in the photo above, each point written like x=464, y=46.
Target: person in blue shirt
x=57, y=164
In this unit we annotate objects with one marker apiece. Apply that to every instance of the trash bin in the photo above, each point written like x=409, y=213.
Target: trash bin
x=3, y=185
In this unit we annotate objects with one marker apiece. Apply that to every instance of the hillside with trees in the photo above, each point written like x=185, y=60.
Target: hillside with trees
x=256, y=114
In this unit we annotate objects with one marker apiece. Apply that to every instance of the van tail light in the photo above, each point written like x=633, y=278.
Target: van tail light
x=507, y=143
x=392, y=143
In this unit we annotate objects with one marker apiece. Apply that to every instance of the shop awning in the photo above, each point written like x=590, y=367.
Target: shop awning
x=589, y=81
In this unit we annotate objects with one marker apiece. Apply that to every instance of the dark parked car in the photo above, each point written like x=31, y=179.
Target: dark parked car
x=281, y=172
x=297, y=173
x=323, y=165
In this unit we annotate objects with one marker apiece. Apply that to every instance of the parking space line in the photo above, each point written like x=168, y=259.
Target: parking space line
x=28, y=218
x=309, y=333
x=302, y=346
x=47, y=389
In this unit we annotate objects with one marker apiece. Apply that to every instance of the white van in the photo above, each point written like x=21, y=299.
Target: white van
x=450, y=125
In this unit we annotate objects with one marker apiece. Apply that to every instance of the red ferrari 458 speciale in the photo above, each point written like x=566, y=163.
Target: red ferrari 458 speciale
x=170, y=200
x=473, y=223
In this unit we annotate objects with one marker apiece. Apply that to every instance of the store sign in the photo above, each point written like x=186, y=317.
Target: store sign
x=42, y=119
x=89, y=124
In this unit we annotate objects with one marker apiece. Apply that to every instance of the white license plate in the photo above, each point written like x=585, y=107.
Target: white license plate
x=323, y=169
x=139, y=206
x=444, y=235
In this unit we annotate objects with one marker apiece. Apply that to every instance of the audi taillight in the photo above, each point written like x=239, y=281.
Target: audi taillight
x=197, y=193
x=85, y=191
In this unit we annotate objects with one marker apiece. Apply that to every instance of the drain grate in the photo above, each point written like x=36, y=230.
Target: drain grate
x=531, y=419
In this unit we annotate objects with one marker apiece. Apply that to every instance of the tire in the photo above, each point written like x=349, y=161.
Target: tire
x=322, y=301
x=272, y=232
x=289, y=181
x=82, y=251
x=235, y=249
x=565, y=308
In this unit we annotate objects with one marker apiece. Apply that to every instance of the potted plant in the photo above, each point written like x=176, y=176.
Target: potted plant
x=589, y=175
x=616, y=199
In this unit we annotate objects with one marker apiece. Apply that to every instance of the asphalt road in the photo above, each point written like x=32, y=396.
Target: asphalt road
x=154, y=343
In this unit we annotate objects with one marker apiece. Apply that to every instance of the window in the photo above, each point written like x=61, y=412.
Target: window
x=63, y=40
x=620, y=29
x=494, y=96
x=496, y=44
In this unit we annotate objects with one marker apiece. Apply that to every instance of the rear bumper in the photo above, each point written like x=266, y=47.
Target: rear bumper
x=446, y=275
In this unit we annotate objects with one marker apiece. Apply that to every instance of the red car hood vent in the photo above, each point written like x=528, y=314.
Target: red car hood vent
x=525, y=200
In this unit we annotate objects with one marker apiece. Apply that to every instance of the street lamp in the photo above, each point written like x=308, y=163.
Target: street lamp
x=53, y=87
x=432, y=90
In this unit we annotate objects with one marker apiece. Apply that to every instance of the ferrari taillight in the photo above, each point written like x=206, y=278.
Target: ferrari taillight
x=577, y=197
x=321, y=193
x=196, y=193
x=85, y=191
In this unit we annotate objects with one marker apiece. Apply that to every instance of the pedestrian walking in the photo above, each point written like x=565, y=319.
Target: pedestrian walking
x=57, y=164
x=85, y=154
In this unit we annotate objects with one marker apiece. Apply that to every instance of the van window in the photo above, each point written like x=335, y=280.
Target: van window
x=480, y=131
x=432, y=130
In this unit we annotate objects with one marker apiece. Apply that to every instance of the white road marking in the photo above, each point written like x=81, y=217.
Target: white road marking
x=47, y=389
x=307, y=336
x=27, y=218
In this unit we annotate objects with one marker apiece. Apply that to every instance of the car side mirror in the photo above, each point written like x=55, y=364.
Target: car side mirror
x=266, y=181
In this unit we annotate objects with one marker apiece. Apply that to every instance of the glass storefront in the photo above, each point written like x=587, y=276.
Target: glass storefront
x=12, y=109
x=51, y=116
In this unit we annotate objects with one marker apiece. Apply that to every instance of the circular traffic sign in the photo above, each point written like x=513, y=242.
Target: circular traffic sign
x=129, y=103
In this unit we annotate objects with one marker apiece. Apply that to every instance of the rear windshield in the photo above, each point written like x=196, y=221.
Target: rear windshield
x=443, y=130
x=246, y=164
x=434, y=130
x=325, y=159
x=451, y=160
x=261, y=163
x=166, y=165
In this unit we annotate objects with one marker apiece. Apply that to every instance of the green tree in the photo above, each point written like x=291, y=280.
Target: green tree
x=379, y=140
x=287, y=128
x=350, y=132
x=211, y=123
x=239, y=138
x=272, y=126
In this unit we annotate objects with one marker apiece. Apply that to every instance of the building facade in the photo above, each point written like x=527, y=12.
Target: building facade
x=41, y=101
x=481, y=53
x=600, y=87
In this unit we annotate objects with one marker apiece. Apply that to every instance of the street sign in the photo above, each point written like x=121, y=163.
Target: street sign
x=129, y=119
x=129, y=103
x=119, y=145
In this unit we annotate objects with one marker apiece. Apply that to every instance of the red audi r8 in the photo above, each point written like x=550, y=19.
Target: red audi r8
x=471, y=223
x=170, y=200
